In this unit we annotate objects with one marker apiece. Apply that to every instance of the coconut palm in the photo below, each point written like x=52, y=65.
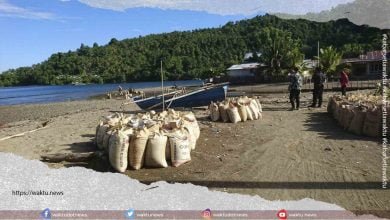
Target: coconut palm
x=329, y=60
x=279, y=50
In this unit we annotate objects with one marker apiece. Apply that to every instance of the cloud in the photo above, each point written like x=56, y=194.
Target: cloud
x=222, y=7
x=9, y=10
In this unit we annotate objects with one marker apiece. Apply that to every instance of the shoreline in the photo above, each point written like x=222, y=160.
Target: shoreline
x=31, y=112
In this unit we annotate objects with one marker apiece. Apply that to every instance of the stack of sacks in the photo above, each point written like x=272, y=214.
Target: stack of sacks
x=236, y=110
x=359, y=114
x=148, y=139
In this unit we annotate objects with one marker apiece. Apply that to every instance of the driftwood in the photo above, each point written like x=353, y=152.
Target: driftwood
x=71, y=157
x=44, y=125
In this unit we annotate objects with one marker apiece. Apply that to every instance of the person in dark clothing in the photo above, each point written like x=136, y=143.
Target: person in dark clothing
x=295, y=88
x=318, y=81
x=120, y=90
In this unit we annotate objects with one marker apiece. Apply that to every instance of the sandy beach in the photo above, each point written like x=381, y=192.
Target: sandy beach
x=289, y=155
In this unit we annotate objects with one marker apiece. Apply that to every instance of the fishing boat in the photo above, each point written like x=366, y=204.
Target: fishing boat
x=145, y=103
x=199, y=97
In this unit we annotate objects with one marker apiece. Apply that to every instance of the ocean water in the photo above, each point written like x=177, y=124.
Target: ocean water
x=47, y=94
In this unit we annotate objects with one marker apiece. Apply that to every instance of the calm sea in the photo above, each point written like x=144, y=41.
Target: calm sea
x=46, y=94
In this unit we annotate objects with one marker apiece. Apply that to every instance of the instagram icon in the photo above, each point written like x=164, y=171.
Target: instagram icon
x=282, y=214
x=206, y=214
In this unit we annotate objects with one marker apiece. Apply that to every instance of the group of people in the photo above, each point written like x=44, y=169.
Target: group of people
x=318, y=80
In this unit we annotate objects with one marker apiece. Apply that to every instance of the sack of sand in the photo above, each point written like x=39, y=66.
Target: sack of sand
x=106, y=139
x=259, y=104
x=242, y=111
x=338, y=110
x=373, y=123
x=359, y=116
x=118, y=149
x=223, y=107
x=189, y=118
x=168, y=151
x=153, y=126
x=101, y=130
x=112, y=120
x=191, y=135
x=233, y=114
x=346, y=116
x=180, y=147
x=97, y=131
x=135, y=122
x=170, y=124
x=137, y=147
x=255, y=110
x=214, y=112
x=331, y=105
x=192, y=127
x=155, y=151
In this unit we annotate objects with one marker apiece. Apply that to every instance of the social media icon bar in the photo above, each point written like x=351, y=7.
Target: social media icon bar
x=130, y=214
x=282, y=214
x=46, y=214
x=206, y=214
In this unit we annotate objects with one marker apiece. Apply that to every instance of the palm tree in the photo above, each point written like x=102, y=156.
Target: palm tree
x=279, y=49
x=329, y=60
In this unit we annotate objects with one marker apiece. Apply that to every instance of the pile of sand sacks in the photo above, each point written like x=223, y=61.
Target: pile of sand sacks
x=236, y=109
x=360, y=114
x=148, y=140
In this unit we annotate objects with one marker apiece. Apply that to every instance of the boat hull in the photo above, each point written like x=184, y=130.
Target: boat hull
x=197, y=98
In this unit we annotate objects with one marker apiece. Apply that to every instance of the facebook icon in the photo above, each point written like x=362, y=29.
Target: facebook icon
x=45, y=214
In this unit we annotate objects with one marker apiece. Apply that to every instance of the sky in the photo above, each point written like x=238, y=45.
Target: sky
x=32, y=30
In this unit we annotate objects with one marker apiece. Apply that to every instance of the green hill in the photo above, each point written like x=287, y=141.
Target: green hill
x=190, y=54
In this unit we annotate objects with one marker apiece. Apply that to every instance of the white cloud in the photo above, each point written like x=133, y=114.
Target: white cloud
x=222, y=7
x=10, y=10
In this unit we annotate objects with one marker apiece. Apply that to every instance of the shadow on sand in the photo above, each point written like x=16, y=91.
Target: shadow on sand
x=325, y=125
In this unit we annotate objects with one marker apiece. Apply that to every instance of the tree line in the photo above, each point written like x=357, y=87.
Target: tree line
x=200, y=53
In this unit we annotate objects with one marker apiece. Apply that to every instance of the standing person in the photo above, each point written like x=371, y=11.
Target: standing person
x=318, y=81
x=295, y=88
x=120, y=90
x=344, y=81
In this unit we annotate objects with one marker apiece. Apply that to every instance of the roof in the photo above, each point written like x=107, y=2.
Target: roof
x=246, y=66
x=358, y=60
x=373, y=56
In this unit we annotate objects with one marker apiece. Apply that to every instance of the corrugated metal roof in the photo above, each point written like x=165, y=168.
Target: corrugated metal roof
x=246, y=66
x=358, y=60
x=373, y=56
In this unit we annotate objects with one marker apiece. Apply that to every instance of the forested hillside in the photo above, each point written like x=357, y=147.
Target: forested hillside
x=192, y=54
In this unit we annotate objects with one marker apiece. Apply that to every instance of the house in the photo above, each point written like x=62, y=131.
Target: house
x=244, y=73
x=369, y=65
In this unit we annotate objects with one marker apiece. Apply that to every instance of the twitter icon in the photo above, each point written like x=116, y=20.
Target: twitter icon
x=130, y=214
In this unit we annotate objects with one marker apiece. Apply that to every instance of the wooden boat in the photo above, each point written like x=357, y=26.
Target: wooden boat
x=152, y=101
x=200, y=97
